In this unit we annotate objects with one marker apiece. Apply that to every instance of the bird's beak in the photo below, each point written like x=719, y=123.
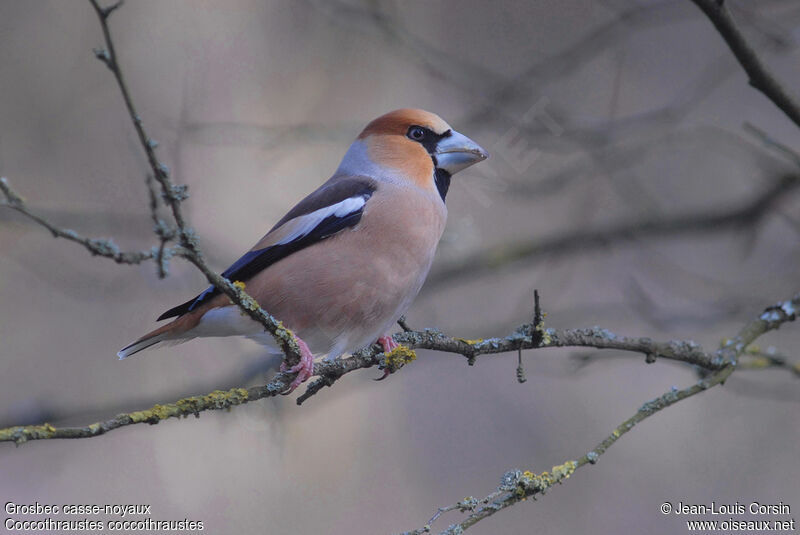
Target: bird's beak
x=457, y=152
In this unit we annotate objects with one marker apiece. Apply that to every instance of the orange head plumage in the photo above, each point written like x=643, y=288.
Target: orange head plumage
x=413, y=145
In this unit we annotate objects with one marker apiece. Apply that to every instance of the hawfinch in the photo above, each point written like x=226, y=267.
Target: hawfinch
x=345, y=263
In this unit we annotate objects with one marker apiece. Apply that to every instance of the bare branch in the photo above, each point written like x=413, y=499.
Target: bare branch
x=518, y=485
x=98, y=247
x=760, y=77
x=403, y=324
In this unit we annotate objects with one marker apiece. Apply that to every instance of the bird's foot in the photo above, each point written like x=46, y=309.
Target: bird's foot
x=304, y=369
x=388, y=344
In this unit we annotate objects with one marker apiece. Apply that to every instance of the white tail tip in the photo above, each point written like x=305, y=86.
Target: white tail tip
x=141, y=345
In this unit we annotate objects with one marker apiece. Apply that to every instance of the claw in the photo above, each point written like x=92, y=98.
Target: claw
x=386, y=373
x=304, y=369
x=388, y=344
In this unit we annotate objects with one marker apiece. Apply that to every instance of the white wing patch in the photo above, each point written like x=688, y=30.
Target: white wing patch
x=300, y=226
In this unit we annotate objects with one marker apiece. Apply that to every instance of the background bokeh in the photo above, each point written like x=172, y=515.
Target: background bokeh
x=596, y=113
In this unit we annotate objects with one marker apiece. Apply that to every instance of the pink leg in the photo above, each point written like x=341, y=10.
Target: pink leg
x=388, y=344
x=304, y=369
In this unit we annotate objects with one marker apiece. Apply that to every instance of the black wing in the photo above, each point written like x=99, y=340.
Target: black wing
x=330, y=198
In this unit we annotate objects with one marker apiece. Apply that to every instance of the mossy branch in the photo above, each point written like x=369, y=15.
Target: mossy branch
x=527, y=336
x=217, y=399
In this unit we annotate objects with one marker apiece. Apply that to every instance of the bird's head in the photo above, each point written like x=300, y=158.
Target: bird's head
x=412, y=144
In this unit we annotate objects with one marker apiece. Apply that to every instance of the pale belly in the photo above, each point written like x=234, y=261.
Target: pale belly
x=343, y=293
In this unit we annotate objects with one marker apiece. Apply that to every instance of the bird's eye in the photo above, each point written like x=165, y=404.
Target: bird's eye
x=416, y=133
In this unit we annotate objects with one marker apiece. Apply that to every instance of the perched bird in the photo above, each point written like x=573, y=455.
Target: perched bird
x=342, y=266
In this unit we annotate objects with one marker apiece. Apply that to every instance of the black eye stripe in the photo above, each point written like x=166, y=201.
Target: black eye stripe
x=429, y=139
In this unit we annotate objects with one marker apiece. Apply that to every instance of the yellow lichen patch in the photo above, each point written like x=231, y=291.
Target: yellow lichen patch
x=288, y=337
x=44, y=430
x=23, y=434
x=152, y=415
x=399, y=357
x=531, y=483
x=288, y=331
x=467, y=504
x=218, y=399
x=250, y=303
x=563, y=471
x=539, y=328
x=470, y=342
x=247, y=302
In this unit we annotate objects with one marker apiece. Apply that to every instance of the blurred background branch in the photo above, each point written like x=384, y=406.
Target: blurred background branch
x=718, y=13
x=744, y=217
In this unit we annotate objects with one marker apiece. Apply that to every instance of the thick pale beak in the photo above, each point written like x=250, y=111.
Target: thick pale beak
x=457, y=152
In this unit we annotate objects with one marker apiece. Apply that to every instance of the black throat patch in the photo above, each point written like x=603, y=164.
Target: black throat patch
x=442, y=179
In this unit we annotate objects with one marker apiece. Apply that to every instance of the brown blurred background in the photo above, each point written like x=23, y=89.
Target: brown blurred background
x=597, y=114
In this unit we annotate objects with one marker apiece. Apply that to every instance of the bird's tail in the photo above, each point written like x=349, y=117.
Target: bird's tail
x=140, y=345
x=167, y=334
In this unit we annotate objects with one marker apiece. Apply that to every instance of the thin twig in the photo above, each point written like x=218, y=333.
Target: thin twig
x=760, y=77
x=403, y=323
x=173, y=195
x=97, y=247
